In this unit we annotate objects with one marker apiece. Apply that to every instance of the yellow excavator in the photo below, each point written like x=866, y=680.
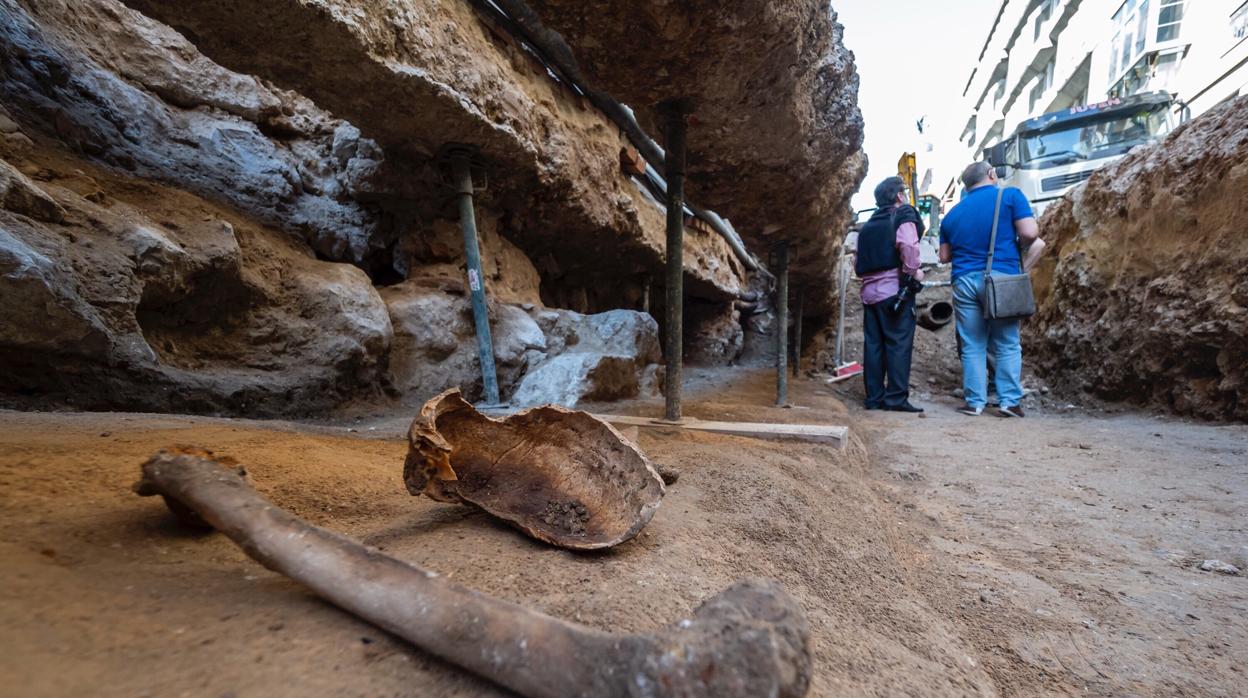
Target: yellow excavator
x=928, y=205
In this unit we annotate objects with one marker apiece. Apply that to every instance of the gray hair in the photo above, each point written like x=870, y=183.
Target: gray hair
x=975, y=173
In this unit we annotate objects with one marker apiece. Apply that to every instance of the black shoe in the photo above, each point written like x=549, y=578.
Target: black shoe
x=870, y=408
x=905, y=407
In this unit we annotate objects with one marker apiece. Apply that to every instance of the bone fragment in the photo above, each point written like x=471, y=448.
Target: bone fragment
x=562, y=476
x=750, y=640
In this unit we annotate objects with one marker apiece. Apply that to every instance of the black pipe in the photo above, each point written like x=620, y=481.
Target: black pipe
x=936, y=315
x=675, y=115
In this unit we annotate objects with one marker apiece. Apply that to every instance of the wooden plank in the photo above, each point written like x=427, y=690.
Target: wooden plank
x=759, y=430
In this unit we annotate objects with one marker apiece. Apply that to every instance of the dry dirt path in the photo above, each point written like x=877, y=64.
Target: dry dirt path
x=1094, y=524
x=927, y=564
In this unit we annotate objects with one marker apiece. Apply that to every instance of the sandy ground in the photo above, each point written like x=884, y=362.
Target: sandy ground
x=1095, y=525
x=955, y=556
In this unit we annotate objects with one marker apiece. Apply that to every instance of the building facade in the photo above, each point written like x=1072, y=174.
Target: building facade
x=1043, y=56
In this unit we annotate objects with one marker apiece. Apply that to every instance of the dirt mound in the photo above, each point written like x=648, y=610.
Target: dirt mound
x=1145, y=298
x=124, y=602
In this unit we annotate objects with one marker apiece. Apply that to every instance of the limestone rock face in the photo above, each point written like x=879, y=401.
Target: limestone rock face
x=20, y=195
x=569, y=378
x=542, y=357
x=435, y=256
x=1145, y=298
x=607, y=356
x=179, y=236
x=130, y=92
x=553, y=164
x=618, y=332
x=713, y=334
x=39, y=309
x=435, y=345
x=148, y=298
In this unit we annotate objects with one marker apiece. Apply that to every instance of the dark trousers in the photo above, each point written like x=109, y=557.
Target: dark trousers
x=887, y=345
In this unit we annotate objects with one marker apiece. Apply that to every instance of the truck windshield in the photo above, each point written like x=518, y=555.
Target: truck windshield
x=1100, y=138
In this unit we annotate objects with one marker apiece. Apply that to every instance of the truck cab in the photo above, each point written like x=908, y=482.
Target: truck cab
x=1050, y=154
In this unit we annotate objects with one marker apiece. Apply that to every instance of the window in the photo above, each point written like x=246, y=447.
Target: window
x=1043, y=15
x=1130, y=33
x=1169, y=20
x=1239, y=23
x=1043, y=83
x=1092, y=140
x=1167, y=68
x=998, y=93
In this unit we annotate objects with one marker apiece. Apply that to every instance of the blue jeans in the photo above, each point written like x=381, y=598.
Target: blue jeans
x=980, y=336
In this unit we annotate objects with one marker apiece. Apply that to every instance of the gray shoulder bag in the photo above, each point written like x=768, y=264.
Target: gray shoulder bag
x=1005, y=296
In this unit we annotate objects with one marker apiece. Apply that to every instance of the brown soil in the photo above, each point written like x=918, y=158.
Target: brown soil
x=1051, y=555
x=1142, y=298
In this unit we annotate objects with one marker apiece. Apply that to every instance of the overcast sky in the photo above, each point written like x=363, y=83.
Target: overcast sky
x=914, y=58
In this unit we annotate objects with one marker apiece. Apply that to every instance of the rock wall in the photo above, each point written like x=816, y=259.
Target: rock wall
x=124, y=294
x=125, y=90
x=178, y=236
x=553, y=163
x=1145, y=298
x=776, y=144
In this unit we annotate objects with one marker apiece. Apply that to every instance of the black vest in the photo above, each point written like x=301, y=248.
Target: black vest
x=877, y=241
x=877, y=244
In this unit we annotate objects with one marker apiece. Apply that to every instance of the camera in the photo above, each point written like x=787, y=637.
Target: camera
x=910, y=288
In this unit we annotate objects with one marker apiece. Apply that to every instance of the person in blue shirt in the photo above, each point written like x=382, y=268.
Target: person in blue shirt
x=964, y=236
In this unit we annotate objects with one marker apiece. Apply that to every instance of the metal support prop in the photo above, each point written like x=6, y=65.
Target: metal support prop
x=674, y=164
x=797, y=331
x=782, y=321
x=461, y=171
x=645, y=295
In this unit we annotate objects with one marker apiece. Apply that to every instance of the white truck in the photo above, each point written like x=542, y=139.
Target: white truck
x=1048, y=155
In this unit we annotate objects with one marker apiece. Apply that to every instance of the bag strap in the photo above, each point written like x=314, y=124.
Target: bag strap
x=992, y=243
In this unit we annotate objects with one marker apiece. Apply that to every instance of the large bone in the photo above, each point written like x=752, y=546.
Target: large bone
x=750, y=640
x=562, y=476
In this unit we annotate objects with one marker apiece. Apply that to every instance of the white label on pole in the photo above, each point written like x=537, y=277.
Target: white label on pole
x=474, y=281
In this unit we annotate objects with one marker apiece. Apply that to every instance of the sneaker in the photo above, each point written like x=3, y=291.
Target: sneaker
x=971, y=411
x=1013, y=411
x=904, y=407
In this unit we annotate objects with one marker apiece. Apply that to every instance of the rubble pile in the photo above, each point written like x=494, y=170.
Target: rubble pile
x=1145, y=298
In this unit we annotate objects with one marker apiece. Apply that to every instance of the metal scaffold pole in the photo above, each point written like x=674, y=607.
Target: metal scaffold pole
x=782, y=323
x=674, y=164
x=797, y=331
x=461, y=171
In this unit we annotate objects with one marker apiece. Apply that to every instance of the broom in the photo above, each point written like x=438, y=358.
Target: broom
x=843, y=371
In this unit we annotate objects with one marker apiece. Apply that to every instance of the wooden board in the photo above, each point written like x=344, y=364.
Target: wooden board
x=760, y=430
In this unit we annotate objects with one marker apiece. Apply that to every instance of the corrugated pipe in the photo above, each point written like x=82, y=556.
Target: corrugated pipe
x=522, y=21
